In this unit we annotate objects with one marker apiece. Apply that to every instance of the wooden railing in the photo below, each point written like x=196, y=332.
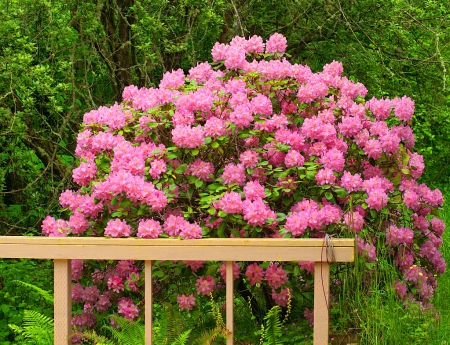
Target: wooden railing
x=63, y=250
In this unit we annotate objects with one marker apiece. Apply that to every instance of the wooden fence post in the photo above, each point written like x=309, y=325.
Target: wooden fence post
x=229, y=302
x=148, y=286
x=62, y=304
x=321, y=302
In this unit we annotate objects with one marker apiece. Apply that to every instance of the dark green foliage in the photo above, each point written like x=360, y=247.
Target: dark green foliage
x=24, y=285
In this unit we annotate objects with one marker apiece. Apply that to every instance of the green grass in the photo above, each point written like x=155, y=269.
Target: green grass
x=441, y=332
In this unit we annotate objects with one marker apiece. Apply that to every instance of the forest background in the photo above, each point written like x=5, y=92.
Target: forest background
x=61, y=58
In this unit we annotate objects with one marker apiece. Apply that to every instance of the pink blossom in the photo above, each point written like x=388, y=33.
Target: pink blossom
x=103, y=303
x=115, y=283
x=200, y=73
x=350, y=126
x=404, y=108
x=390, y=143
x=149, y=228
x=205, y=285
x=215, y=127
x=191, y=231
x=334, y=68
x=309, y=315
x=352, y=183
x=275, y=275
x=86, y=319
x=373, y=148
x=249, y=159
x=257, y=212
x=400, y=290
x=253, y=190
x=186, y=302
x=354, y=221
x=219, y=51
x=254, y=273
x=127, y=308
x=276, y=43
x=157, y=168
x=377, y=199
x=55, y=228
x=90, y=294
x=117, y=228
x=294, y=159
x=396, y=236
x=325, y=176
x=85, y=172
x=282, y=298
x=308, y=266
x=174, y=224
x=234, y=173
x=172, y=79
x=311, y=91
x=194, y=265
x=297, y=222
x=261, y=105
x=77, y=269
x=188, y=137
x=333, y=159
x=231, y=202
x=77, y=293
x=78, y=223
x=201, y=169
x=438, y=226
x=381, y=108
x=366, y=249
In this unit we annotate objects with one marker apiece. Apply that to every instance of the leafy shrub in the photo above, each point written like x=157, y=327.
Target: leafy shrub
x=249, y=146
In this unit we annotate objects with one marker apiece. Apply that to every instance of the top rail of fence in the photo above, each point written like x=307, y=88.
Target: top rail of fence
x=225, y=249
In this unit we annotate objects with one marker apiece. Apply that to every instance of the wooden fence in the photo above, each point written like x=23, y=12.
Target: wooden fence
x=63, y=250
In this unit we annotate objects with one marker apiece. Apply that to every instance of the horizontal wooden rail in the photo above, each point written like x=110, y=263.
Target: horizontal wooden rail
x=62, y=250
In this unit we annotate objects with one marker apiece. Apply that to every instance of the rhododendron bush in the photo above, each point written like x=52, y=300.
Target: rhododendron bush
x=248, y=146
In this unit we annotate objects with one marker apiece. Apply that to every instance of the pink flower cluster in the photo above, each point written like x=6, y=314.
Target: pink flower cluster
x=307, y=214
x=186, y=302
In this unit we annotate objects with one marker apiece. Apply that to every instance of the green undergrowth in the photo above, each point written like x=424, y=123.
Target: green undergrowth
x=368, y=306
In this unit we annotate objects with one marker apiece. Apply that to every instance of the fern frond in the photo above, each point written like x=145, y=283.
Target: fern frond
x=273, y=328
x=98, y=339
x=174, y=323
x=48, y=296
x=182, y=338
x=129, y=332
x=37, y=329
x=208, y=336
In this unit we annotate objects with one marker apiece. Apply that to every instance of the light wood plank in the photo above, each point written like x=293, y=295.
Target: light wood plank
x=205, y=253
x=229, y=302
x=62, y=301
x=133, y=241
x=321, y=302
x=148, y=302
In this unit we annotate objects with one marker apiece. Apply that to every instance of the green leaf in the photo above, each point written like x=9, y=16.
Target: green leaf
x=222, y=214
x=329, y=195
x=5, y=308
